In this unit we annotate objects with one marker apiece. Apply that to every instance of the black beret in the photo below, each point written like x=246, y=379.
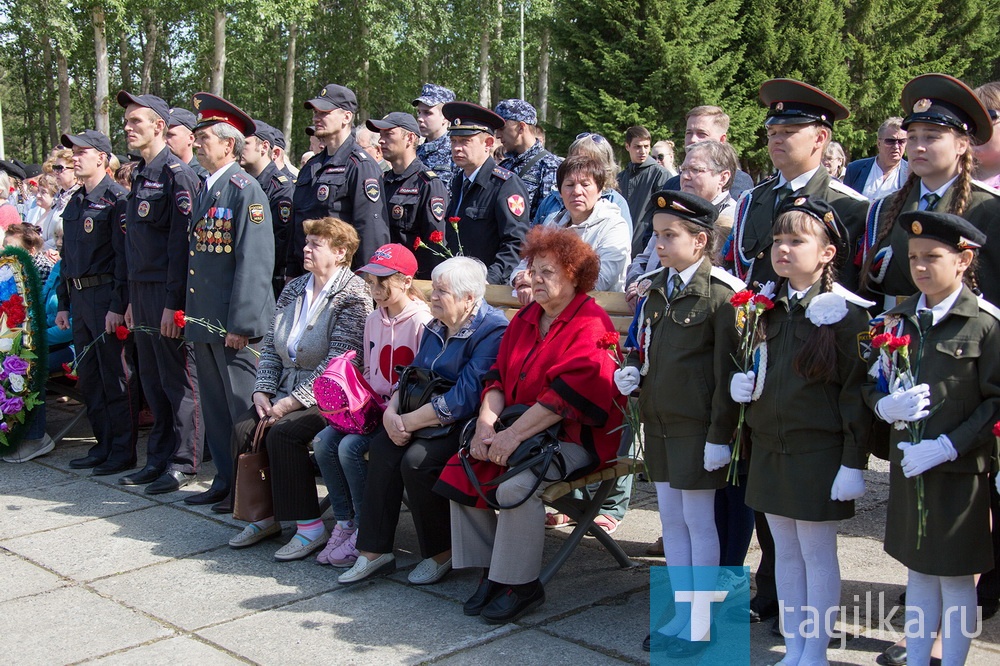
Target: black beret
x=821, y=211
x=944, y=227
x=686, y=206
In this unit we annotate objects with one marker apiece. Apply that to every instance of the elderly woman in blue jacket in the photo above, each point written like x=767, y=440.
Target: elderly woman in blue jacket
x=460, y=344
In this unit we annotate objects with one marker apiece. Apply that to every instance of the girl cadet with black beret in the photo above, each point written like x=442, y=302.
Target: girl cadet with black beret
x=808, y=423
x=954, y=336
x=686, y=332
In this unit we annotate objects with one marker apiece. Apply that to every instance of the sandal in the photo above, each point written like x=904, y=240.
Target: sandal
x=606, y=523
x=556, y=520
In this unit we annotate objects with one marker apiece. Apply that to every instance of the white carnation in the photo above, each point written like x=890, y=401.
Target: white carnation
x=826, y=309
x=6, y=344
x=16, y=383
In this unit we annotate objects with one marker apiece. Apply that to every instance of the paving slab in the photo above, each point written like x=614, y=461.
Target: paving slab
x=99, y=548
x=25, y=476
x=530, y=647
x=378, y=623
x=616, y=626
x=22, y=578
x=71, y=624
x=170, y=652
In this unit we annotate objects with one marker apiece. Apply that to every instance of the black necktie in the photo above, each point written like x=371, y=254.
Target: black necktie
x=925, y=319
x=676, y=285
x=781, y=193
x=793, y=301
x=931, y=200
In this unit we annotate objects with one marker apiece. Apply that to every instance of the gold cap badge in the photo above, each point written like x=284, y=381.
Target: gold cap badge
x=921, y=105
x=661, y=202
x=917, y=228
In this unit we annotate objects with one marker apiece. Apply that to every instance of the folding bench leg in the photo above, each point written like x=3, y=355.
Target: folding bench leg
x=584, y=514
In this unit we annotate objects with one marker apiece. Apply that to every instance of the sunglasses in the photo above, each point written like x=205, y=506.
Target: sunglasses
x=596, y=138
x=59, y=168
x=659, y=158
x=894, y=142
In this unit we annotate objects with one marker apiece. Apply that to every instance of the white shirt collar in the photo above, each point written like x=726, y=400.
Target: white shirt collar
x=685, y=274
x=796, y=183
x=942, y=308
x=475, y=173
x=214, y=178
x=939, y=191
x=800, y=294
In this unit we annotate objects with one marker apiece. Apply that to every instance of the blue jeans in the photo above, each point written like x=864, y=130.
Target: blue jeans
x=341, y=460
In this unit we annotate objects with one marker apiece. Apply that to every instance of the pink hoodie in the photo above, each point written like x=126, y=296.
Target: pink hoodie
x=390, y=342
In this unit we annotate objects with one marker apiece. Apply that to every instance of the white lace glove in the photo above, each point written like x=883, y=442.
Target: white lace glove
x=627, y=380
x=716, y=456
x=908, y=405
x=741, y=386
x=928, y=453
x=849, y=485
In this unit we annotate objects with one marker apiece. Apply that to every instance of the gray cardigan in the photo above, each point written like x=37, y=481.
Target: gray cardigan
x=336, y=328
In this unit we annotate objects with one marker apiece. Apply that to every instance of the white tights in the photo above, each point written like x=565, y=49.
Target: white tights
x=689, y=540
x=807, y=575
x=926, y=596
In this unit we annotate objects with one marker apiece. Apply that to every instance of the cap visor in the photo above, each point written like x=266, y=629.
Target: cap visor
x=377, y=270
x=792, y=120
x=124, y=99
x=320, y=104
x=424, y=100
x=376, y=125
x=466, y=131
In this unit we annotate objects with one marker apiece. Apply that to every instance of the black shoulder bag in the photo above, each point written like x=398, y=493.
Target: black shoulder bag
x=417, y=387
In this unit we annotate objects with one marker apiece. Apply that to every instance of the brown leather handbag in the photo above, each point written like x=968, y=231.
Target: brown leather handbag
x=252, y=498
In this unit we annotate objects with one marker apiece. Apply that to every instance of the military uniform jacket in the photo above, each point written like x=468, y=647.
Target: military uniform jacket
x=752, y=227
x=346, y=185
x=278, y=188
x=417, y=200
x=685, y=397
x=198, y=169
x=231, y=259
x=157, y=222
x=961, y=365
x=436, y=155
x=494, y=219
x=94, y=241
x=538, y=175
x=890, y=273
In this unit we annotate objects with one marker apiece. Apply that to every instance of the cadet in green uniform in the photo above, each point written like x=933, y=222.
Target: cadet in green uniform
x=686, y=329
x=807, y=419
x=954, y=338
x=945, y=119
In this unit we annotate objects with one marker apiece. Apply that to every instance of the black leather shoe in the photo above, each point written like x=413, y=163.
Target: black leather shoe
x=776, y=628
x=169, y=482
x=109, y=467
x=894, y=655
x=225, y=506
x=990, y=608
x=484, y=594
x=511, y=605
x=210, y=496
x=85, y=462
x=657, y=642
x=764, y=610
x=142, y=477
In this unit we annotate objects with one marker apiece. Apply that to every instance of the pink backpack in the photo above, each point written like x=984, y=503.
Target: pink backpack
x=345, y=398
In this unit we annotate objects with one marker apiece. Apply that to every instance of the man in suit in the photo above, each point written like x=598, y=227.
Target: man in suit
x=229, y=282
x=878, y=177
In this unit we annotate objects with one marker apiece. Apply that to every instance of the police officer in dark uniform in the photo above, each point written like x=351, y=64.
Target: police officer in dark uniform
x=278, y=148
x=94, y=282
x=278, y=187
x=524, y=154
x=229, y=271
x=156, y=247
x=491, y=203
x=417, y=198
x=435, y=151
x=342, y=181
x=180, y=139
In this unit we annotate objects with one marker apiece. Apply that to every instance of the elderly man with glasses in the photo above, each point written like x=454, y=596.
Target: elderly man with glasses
x=879, y=176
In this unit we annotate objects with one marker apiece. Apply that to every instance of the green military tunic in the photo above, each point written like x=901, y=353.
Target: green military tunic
x=889, y=281
x=802, y=430
x=684, y=401
x=961, y=364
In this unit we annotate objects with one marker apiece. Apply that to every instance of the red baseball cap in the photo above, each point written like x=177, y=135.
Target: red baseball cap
x=389, y=259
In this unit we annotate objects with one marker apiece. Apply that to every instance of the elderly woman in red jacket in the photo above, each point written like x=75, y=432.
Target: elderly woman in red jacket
x=550, y=362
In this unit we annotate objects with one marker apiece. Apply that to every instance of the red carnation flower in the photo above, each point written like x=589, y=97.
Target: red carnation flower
x=179, y=319
x=996, y=429
x=69, y=371
x=902, y=341
x=437, y=236
x=454, y=221
x=741, y=298
x=417, y=243
x=15, y=313
x=762, y=300
x=122, y=333
x=608, y=340
x=881, y=340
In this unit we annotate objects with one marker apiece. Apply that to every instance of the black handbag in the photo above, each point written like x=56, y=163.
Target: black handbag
x=417, y=387
x=537, y=453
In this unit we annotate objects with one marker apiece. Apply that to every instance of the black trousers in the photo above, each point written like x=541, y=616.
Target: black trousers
x=414, y=468
x=988, y=589
x=169, y=382
x=293, y=481
x=107, y=381
x=767, y=592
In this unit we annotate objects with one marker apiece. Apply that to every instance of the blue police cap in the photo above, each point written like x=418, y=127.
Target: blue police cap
x=432, y=95
x=179, y=116
x=158, y=106
x=517, y=110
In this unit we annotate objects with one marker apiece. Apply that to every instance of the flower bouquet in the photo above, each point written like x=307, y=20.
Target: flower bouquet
x=437, y=238
x=610, y=343
x=181, y=320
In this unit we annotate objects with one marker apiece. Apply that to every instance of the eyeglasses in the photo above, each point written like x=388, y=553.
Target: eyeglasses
x=694, y=171
x=659, y=158
x=59, y=168
x=894, y=142
x=596, y=138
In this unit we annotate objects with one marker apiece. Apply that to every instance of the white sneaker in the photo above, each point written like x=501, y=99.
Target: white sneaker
x=732, y=583
x=30, y=449
x=364, y=568
x=429, y=571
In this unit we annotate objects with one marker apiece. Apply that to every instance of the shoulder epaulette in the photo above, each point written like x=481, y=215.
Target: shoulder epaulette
x=838, y=186
x=239, y=180
x=502, y=173
x=851, y=297
x=282, y=178
x=429, y=175
x=728, y=279
x=174, y=165
x=986, y=188
x=988, y=307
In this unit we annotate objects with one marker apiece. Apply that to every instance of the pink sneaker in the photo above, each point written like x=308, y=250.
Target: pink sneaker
x=337, y=539
x=346, y=554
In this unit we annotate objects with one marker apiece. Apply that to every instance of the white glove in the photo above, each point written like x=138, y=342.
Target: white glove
x=918, y=458
x=627, y=380
x=908, y=405
x=998, y=483
x=849, y=485
x=741, y=386
x=716, y=456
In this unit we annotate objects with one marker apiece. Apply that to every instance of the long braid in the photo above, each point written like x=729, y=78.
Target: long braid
x=885, y=225
x=827, y=279
x=969, y=277
x=817, y=358
x=963, y=185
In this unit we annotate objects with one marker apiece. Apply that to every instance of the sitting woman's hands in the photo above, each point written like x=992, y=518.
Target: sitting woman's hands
x=393, y=424
x=522, y=286
x=484, y=430
x=284, y=406
x=262, y=403
x=501, y=445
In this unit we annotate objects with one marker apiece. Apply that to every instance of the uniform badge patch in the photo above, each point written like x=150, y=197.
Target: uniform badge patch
x=184, y=202
x=256, y=212
x=864, y=345
x=397, y=212
x=322, y=192
x=372, y=189
x=437, y=207
x=285, y=211
x=515, y=203
x=88, y=224
x=143, y=209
